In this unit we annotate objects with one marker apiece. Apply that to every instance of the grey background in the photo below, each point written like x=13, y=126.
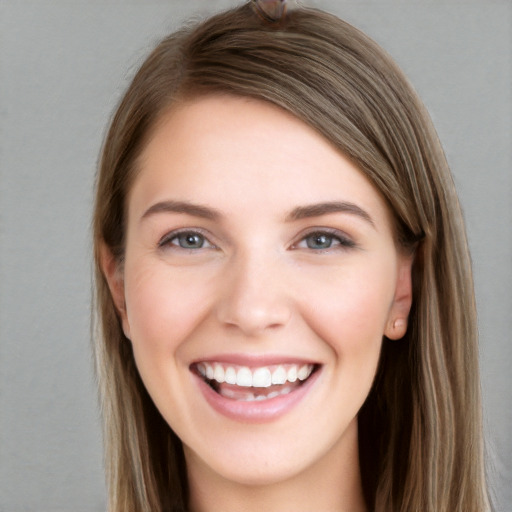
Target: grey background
x=63, y=66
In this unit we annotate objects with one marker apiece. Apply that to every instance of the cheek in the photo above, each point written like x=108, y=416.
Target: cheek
x=163, y=305
x=350, y=312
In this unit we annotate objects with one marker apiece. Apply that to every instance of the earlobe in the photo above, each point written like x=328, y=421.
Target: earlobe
x=399, y=314
x=114, y=277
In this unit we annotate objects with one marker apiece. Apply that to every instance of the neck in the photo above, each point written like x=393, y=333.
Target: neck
x=331, y=484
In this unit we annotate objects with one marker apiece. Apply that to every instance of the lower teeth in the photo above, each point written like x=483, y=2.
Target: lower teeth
x=248, y=396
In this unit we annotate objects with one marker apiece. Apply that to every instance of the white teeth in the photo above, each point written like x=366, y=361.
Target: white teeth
x=279, y=375
x=230, y=375
x=292, y=374
x=247, y=396
x=218, y=373
x=244, y=377
x=262, y=377
x=304, y=372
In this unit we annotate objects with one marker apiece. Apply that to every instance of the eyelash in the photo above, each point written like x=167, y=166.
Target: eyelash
x=331, y=235
x=343, y=242
x=167, y=240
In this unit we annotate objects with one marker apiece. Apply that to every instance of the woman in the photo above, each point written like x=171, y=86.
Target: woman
x=284, y=295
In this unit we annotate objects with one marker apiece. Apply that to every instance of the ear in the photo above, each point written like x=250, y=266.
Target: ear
x=396, y=326
x=114, y=275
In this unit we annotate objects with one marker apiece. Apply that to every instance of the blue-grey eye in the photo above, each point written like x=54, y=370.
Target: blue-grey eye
x=189, y=240
x=320, y=241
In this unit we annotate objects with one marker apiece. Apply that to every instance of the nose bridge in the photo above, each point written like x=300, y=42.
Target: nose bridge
x=255, y=296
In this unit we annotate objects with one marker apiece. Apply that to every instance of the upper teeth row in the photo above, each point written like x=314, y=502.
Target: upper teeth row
x=262, y=377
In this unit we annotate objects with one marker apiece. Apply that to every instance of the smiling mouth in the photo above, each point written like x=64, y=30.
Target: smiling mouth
x=245, y=384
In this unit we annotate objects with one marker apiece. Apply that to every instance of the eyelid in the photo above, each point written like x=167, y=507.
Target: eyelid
x=165, y=240
x=345, y=241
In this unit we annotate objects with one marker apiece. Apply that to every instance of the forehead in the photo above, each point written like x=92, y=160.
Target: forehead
x=236, y=152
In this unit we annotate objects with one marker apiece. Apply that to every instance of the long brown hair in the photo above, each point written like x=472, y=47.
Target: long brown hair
x=420, y=432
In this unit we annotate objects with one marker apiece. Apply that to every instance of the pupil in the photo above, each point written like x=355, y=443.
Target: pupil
x=319, y=241
x=191, y=240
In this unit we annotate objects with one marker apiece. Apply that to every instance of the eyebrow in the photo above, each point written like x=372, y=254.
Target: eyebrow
x=317, y=210
x=196, y=210
x=298, y=213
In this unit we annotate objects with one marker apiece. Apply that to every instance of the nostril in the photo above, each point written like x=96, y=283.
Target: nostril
x=254, y=295
x=254, y=319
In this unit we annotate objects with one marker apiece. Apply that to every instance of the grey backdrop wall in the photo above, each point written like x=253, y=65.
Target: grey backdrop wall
x=63, y=66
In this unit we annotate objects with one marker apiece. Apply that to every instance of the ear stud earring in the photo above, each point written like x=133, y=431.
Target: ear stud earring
x=398, y=323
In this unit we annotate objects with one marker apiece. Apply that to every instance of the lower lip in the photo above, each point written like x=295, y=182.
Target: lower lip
x=256, y=411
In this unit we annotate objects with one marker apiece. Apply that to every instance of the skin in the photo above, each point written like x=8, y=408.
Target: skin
x=260, y=284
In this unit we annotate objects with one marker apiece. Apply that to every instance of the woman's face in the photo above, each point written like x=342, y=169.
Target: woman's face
x=260, y=276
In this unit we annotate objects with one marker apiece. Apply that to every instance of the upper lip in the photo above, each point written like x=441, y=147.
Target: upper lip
x=254, y=360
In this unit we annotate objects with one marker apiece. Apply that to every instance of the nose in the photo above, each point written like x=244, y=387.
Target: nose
x=254, y=297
